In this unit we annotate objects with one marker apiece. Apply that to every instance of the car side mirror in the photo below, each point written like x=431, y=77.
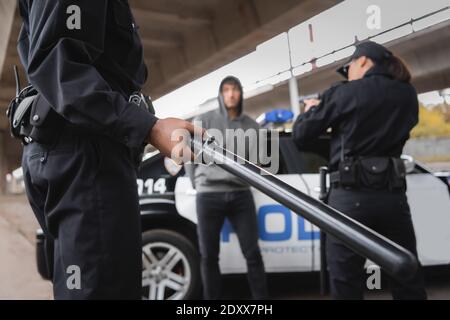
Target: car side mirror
x=409, y=162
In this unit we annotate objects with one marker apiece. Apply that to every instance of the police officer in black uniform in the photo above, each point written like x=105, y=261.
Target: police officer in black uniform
x=371, y=116
x=85, y=59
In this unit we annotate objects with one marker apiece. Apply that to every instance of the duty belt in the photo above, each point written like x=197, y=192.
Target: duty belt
x=370, y=173
x=47, y=132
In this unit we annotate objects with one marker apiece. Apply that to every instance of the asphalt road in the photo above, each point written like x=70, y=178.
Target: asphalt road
x=19, y=278
x=307, y=287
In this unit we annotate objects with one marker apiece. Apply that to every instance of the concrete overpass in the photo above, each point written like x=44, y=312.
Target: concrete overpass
x=183, y=40
x=186, y=39
x=426, y=52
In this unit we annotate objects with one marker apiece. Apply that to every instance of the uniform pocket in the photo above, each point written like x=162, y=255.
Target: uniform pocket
x=374, y=172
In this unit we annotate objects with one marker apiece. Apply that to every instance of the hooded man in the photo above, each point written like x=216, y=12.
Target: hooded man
x=222, y=195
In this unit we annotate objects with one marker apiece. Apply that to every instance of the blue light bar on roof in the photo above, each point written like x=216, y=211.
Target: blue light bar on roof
x=279, y=116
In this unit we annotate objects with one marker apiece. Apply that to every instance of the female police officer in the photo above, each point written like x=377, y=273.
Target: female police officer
x=371, y=116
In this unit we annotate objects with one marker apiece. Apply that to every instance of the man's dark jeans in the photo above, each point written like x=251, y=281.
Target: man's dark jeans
x=239, y=208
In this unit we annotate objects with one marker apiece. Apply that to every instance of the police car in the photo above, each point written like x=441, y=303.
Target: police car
x=288, y=242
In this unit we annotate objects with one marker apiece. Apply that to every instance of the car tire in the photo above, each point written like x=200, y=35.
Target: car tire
x=169, y=260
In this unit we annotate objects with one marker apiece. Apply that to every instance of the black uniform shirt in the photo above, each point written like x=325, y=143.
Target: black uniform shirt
x=85, y=58
x=372, y=116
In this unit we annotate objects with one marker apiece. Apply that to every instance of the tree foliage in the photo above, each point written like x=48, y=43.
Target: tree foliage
x=433, y=122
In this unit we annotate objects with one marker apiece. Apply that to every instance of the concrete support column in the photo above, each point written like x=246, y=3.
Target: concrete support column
x=294, y=96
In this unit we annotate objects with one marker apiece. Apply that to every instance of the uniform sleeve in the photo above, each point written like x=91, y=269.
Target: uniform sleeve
x=23, y=46
x=335, y=103
x=61, y=65
x=414, y=115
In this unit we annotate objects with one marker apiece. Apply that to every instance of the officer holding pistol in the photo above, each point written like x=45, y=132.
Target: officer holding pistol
x=371, y=116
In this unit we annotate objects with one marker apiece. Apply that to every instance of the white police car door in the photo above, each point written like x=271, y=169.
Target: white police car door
x=429, y=201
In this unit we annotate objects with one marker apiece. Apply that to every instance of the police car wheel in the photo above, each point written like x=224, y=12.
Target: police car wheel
x=170, y=266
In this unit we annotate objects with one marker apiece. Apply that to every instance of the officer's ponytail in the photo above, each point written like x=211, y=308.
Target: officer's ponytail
x=398, y=69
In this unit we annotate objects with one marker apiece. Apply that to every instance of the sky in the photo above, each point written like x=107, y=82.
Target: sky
x=272, y=62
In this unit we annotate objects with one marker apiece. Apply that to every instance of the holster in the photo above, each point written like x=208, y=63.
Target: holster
x=348, y=172
x=18, y=113
x=398, y=173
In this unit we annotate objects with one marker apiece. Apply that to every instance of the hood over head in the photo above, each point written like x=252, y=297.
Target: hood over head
x=222, y=107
